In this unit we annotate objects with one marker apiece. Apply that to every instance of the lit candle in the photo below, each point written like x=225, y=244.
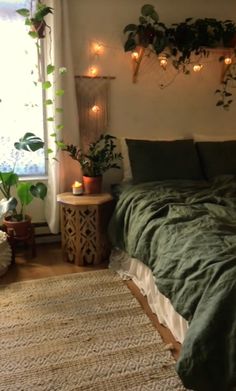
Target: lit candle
x=77, y=188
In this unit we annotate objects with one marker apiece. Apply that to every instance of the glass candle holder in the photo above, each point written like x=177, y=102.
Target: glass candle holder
x=77, y=188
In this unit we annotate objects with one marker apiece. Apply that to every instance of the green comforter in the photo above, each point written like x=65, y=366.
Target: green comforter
x=186, y=233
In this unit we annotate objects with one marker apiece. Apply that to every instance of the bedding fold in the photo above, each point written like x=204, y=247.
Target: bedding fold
x=185, y=232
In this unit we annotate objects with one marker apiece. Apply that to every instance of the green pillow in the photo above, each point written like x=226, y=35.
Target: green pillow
x=217, y=157
x=161, y=160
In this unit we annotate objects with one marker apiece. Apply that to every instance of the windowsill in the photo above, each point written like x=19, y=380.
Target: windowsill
x=33, y=178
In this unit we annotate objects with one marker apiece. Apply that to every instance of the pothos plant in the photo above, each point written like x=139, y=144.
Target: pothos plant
x=182, y=40
x=35, y=18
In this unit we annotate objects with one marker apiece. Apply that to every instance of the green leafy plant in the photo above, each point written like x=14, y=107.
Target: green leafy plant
x=36, y=19
x=224, y=92
x=11, y=206
x=48, y=78
x=182, y=41
x=148, y=32
x=99, y=158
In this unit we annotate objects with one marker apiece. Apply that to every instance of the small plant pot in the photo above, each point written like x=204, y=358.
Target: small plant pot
x=39, y=28
x=18, y=229
x=92, y=185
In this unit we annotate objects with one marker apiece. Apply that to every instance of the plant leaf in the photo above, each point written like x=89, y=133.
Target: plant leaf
x=60, y=92
x=48, y=102
x=23, y=12
x=147, y=10
x=47, y=84
x=39, y=190
x=29, y=142
x=130, y=45
x=33, y=34
x=130, y=27
x=50, y=69
x=23, y=192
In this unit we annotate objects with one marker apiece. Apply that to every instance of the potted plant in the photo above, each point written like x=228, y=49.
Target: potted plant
x=148, y=32
x=12, y=208
x=99, y=158
x=36, y=19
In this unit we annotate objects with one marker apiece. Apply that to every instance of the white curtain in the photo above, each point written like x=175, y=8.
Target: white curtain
x=61, y=173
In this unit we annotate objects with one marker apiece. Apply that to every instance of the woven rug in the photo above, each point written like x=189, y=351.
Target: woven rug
x=82, y=332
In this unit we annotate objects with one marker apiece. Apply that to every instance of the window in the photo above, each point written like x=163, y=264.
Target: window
x=21, y=105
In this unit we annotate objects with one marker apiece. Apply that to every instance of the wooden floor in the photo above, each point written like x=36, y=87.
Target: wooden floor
x=49, y=262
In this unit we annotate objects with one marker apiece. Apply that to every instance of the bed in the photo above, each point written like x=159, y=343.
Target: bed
x=174, y=226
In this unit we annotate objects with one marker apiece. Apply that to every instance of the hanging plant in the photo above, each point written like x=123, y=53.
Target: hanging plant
x=38, y=30
x=36, y=20
x=181, y=42
x=224, y=92
x=150, y=32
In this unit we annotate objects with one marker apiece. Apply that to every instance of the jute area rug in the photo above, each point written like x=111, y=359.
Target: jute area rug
x=82, y=332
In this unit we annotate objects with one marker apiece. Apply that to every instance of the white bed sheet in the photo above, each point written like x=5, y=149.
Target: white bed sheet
x=131, y=268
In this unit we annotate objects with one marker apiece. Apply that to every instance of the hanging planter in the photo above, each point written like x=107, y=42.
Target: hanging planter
x=39, y=28
x=36, y=19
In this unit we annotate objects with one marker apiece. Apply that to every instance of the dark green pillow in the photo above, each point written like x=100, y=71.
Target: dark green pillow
x=160, y=160
x=217, y=157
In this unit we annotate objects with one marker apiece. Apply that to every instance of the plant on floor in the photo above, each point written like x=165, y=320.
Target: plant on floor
x=11, y=206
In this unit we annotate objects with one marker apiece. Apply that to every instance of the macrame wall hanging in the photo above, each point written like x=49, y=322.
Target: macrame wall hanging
x=93, y=95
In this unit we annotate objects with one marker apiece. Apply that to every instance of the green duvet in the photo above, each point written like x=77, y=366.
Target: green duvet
x=186, y=233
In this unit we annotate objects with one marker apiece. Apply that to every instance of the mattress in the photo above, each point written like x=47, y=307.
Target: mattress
x=132, y=268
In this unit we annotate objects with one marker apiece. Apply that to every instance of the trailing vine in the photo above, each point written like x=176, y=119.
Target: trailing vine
x=38, y=29
x=182, y=40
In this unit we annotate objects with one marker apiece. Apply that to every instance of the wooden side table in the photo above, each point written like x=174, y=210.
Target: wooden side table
x=84, y=222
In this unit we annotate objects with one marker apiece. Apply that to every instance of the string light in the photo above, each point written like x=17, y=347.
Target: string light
x=97, y=48
x=135, y=55
x=197, y=67
x=228, y=60
x=163, y=61
x=95, y=109
x=93, y=71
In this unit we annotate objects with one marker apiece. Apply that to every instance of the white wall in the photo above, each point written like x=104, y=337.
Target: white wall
x=143, y=109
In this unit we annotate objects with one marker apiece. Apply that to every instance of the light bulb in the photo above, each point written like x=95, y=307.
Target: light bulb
x=95, y=109
x=93, y=71
x=228, y=60
x=97, y=48
x=135, y=55
x=197, y=67
x=163, y=61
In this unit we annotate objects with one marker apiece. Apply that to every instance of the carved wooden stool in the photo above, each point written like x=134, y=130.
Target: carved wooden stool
x=84, y=222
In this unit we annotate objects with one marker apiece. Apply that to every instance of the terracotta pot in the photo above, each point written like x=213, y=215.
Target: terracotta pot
x=92, y=185
x=19, y=229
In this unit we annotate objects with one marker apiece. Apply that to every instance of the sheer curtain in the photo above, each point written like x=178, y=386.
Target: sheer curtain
x=20, y=99
x=61, y=173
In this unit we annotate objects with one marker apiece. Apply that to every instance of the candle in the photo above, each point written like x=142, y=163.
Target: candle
x=77, y=188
